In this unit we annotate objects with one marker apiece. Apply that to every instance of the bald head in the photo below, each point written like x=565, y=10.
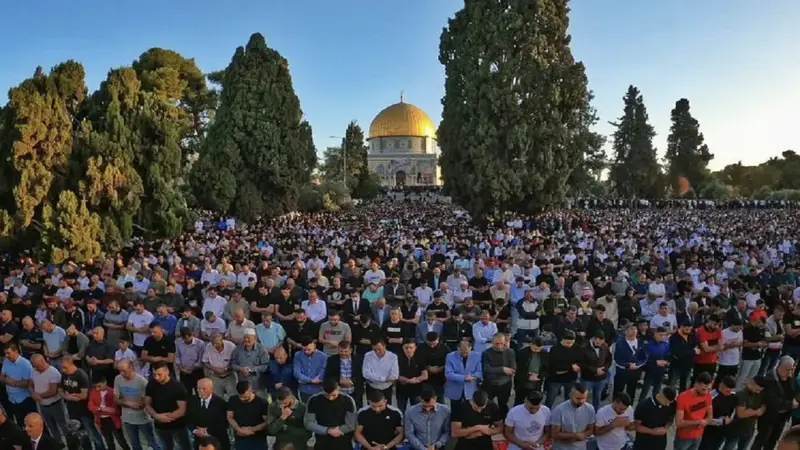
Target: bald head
x=34, y=425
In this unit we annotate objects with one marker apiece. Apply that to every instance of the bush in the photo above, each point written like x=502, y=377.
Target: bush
x=310, y=199
x=785, y=194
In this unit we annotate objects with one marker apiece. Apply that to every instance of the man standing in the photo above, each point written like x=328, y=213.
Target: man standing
x=709, y=341
x=189, y=352
x=346, y=367
x=285, y=420
x=75, y=386
x=39, y=440
x=723, y=405
x=16, y=376
x=594, y=366
x=475, y=422
x=46, y=381
x=527, y=425
x=217, y=363
x=563, y=367
x=653, y=418
x=433, y=356
x=483, y=331
x=613, y=422
x=629, y=357
x=427, y=424
x=158, y=347
x=379, y=427
x=309, y=368
x=250, y=361
x=658, y=357
x=129, y=390
x=463, y=370
x=750, y=406
x=332, y=332
x=730, y=356
x=499, y=364
x=100, y=355
x=381, y=369
x=694, y=412
x=412, y=372
x=331, y=416
x=247, y=415
x=207, y=414
x=779, y=397
x=165, y=401
x=572, y=421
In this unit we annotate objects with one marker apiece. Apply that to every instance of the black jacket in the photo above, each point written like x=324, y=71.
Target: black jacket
x=333, y=369
x=214, y=418
x=45, y=443
x=591, y=361
x=521, y=377
x=778, y=396
x=349, y=315
x=682, y=351
x=561, y=360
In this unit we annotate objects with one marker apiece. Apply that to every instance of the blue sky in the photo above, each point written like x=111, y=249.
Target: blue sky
x=735, y=60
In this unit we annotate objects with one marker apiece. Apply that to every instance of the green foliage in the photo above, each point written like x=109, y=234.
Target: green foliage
x=635, y=172
x=259, y=152
x=310, y=199
x=687, y=154
x=349, y=157
x=716, y=190
x=758, y=182
x=368, y=187
x=70, y=231
x=36, y=139
x=516, y=108
x=785, y=194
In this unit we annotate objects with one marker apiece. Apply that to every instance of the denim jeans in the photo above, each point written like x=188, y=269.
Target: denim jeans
x=553, y=388
x=596, y=391
x=132, y=432
x=687, y=444
x=171, y=437
x=87, y=422
x=55, y=417
x=650, y=384
x=748, y=370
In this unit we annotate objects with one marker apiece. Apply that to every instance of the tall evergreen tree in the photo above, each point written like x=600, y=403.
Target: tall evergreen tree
x=354, y=150
x=516, y=106
x=258, y=153
x=635, y=172
x=70, y=230
x=687, y=154
x=36, y=141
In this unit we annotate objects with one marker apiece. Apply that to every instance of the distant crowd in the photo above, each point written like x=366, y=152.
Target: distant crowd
x=406, y=325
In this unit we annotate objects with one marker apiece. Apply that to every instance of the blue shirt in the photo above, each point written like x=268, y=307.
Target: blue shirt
x=280, y=374
x=517, y=293
x=269, y=337
x=54, y=339
x=656, y=351
x=168, y=323
x=306, y=368
x=424, y=429
x=18, y=370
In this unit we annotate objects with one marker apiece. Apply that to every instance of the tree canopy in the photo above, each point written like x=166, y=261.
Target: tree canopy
x=635, y=171
x=687, y=154
x=360, y=182
x=259, y=152
x=516, y=109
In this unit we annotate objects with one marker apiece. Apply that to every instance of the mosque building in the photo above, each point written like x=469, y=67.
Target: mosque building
x=402, y=147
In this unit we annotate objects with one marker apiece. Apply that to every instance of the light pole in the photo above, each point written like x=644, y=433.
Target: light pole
x=344, y=158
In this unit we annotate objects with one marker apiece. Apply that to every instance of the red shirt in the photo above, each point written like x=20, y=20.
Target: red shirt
x=712, y=338
x=694, y=407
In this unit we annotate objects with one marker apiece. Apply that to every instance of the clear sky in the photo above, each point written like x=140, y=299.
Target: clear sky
x=735, y=60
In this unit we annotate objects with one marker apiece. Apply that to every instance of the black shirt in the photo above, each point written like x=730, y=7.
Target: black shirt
x=409, y=368
x=35, y=336
x=73, y=384
x=652, y=414
x=468, y=417
x=440, y=309
x=165, y=398
x=11, y=435
x=9, y=328
x=249, y=414
x=455, y=332
x=794, y=322
x=394, y=331
x=752, y=334
x=159, y=347
x=331, y=413
x=380, y=427
x=433, y=357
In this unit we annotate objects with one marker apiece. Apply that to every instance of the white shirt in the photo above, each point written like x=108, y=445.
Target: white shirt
x=424, y=295
x=731, y=356
x=374, y=276
x=216, y=304
x=138, y=321
x=617, y=437
x=317, y=311
x=658, y=321
x=527, y=427
x=378, y=370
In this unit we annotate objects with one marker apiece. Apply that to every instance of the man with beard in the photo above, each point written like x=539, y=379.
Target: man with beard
x=681, y=348
x=499, y=366
x=529, y=377
x=412, y=372
x=779, y=397
x=527, y=425
x=629, y=357
x=165, y=402
x=572, y=421
x=432, y=355
x=475, y=422
x=693, y=413
x=709, y=341
x=332, y=417
x=394, y=331
x=247, y=415
x=562, y=367
x=653, y=418
x=364, y=331
x=379, y=427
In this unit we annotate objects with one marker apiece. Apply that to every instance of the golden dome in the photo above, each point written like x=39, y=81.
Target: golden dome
x=402, y=119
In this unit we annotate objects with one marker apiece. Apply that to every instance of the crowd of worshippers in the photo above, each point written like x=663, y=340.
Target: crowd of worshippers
x=404, y=325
